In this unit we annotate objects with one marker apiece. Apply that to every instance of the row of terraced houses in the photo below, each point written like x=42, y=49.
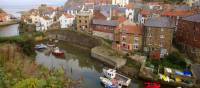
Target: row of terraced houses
x=131, y=25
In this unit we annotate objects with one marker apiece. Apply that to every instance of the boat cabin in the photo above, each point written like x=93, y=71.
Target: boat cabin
x=110, y=73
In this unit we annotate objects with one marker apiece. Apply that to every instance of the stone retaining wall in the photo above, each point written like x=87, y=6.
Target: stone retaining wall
x=74, y=38
x=106, y=55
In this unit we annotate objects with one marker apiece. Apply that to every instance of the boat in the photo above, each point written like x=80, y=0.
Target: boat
x=40, y=46
x=110, y=83
x=51, y=45
x=112, y=74
x=57, y=52
x=152, y=85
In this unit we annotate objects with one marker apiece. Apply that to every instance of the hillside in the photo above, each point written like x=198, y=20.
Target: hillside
x=166, y=1
x=70, y=3
x=2, y=11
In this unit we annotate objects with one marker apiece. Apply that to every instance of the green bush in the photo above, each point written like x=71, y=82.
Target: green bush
x=30, y=83
x=25, y=42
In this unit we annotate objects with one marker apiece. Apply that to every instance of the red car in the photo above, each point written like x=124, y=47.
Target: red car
x=152, y=85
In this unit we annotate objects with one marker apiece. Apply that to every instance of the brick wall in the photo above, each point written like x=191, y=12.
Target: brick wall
x=188, y=38
x=155, y=38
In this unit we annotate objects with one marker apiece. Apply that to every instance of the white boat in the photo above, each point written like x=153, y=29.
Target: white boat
x=110, y=83
x=40, y=46
x=112, y=74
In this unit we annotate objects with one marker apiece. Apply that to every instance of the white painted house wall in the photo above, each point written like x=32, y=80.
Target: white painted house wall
x=121, y=3
x=66, y=22
x=43, y=24
x=35, y=18
x=130, y=14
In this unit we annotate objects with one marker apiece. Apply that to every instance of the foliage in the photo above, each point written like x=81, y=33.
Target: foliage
x=23, y=73
x=25, y=42
x=26, y=28
x=31, y=83
x=131, y=63
x=175, y=60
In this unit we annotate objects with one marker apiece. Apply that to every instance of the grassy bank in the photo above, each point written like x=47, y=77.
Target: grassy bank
x=26, y=43
x=19, y=71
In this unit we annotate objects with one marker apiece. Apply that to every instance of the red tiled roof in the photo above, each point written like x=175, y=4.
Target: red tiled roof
x=145, y=12
x=68, y=15
x=2, y=16
x=99, y=15
x=177, y=13
x=135, y=29
x=130, y=6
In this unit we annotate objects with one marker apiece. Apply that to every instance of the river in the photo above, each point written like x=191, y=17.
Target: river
x=78, y=65
x=10, y=30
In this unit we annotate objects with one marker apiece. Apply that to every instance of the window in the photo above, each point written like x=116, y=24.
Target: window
x=162, y=29
x=86, y=21
x=149, y=34
x=136, y=41
x=129, y=47
x=123, y=38
x=162, y=36
x=161, y=44
x=123, y=44
x=135, y=46
x=79, y=21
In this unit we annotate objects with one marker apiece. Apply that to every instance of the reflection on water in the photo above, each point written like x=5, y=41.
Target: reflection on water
x=11, y=30
x=77, y=64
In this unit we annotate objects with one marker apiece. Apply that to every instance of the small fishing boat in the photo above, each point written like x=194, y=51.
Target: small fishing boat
x=57, y=52
x=112, y=74
x=40, y=46
x=51, y=45
x=152, y=85
x=110, y=83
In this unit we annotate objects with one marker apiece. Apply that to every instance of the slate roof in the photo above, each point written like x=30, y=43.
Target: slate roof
x=105, y=22
x=182, y=7
x=159, y=22
x=121, y=10
x=193, y=18
x=46, y=18
x=73, y=8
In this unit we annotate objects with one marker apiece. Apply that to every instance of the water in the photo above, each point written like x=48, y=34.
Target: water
x=7, y=31
x=15, y=6
x=78, y=65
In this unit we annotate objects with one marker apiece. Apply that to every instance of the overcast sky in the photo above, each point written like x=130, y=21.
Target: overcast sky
x=14, y=6
x=31, y=2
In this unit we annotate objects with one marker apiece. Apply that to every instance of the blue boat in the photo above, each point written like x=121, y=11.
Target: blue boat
x=40, y=46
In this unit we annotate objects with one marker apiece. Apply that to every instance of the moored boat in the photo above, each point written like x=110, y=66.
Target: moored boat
x=112, y=74
x=40, y=46
x=110, y=83
x=51, y=45
x=57, y=52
